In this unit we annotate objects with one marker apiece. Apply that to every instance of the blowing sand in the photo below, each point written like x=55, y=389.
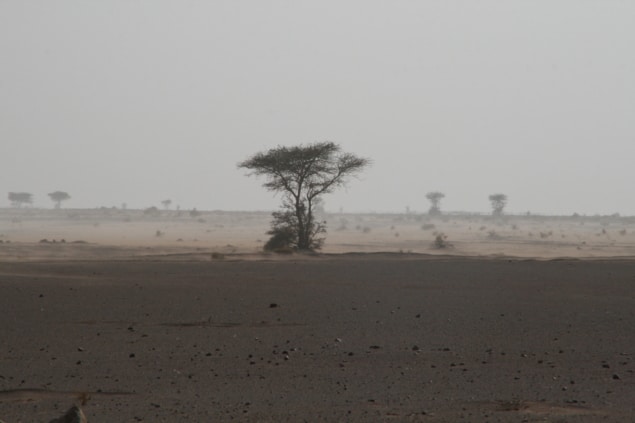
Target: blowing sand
x=142, y=327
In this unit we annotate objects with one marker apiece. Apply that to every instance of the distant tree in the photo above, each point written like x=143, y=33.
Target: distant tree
x=499, y=201
x=166, y=203
x=435, y=198
x=19, y=198
x=58, y=197
x=302, y=174
x=152, y=211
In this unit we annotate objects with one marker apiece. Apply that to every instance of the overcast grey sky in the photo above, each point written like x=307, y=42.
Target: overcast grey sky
x=139, y=101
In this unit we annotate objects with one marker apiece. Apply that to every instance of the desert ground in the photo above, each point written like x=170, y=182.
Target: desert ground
x=178, y=317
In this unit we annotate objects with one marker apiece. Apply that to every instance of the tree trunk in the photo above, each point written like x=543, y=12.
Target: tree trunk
x=303, y=238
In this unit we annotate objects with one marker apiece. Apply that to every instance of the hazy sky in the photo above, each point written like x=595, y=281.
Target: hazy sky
x=137, y=101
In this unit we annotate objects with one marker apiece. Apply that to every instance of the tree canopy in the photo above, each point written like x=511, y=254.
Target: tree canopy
x=302, y=174
x=58, y=197
x=435, y=198
x=19, y=198
x=499, y=201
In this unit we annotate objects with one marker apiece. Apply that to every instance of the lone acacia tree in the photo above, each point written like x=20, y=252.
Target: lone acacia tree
x=302, y=174
x=499, y=201
x=58, y=197
x=19, y=198
x=435, y=198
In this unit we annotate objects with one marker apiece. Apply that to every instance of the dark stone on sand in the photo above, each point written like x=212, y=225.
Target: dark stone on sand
x=73, y=415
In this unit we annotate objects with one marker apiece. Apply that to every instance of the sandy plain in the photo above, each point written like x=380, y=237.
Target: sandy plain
x=180, y=318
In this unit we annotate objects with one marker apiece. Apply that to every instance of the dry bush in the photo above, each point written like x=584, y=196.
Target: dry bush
x=441, y=241
x=493, y=235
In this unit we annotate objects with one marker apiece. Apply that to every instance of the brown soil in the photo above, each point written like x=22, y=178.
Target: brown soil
x=352, y=337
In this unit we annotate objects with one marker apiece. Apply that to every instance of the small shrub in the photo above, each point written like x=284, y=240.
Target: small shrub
x=218, y=256
x=428, y=226
x=281, y=238
x=441, y=241
x=151, y=211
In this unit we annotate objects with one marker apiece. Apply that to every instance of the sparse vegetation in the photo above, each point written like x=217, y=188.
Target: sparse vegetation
x=151, y=211
x=493, y=235
x=302, y=174
x=18, y=199
x=499, y=201
x=58, y=196
x=441, y=241
x=435, y=198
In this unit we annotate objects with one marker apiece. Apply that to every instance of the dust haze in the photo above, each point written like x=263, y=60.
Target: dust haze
x=138, y=102
x=481, y=269
x=36, y=234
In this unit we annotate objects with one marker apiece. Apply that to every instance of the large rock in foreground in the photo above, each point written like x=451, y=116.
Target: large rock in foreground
x=73, y=415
